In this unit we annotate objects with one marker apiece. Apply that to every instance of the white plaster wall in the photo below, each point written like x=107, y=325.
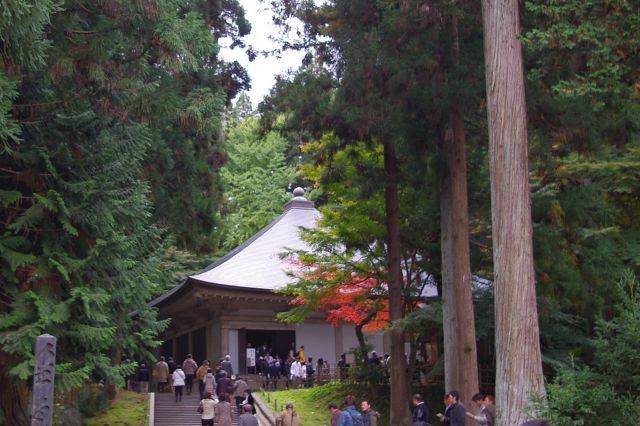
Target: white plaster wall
x=375, y=339
x=350, y=341
x=233, y=349
x=318, y=340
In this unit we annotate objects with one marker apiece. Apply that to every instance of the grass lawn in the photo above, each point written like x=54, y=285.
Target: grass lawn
x=128, y=409
x=311, y=404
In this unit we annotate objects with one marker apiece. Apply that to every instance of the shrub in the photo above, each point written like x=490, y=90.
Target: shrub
x=92, y=400
x=608, y=392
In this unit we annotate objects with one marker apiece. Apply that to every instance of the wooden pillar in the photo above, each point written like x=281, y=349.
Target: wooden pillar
x=224, y=342
x=216, y=336
x=174, y=348
x=338, y=340
x=210, y=343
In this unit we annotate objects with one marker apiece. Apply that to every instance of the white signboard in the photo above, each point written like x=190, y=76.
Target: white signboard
x=251, y=357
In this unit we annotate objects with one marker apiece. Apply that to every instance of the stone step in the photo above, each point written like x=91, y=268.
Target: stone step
x=168, y=412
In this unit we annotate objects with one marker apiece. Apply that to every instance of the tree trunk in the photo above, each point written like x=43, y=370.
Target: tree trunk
x=14, y=398
x=518, y=361
x=399, y=395
x=461, y=361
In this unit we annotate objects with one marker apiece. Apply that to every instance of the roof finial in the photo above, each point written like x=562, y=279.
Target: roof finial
x=298, y=201
x=298, y=192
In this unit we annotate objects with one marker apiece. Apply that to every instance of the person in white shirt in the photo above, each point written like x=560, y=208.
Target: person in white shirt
x=298, y=373
x=178, y=377
x=207, y=409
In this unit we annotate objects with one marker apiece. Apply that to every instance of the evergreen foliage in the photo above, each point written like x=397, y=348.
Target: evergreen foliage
x=111, y=128
x=256, y=178
x=608, y=391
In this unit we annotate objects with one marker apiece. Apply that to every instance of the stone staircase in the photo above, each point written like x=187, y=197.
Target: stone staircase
x=168, y=412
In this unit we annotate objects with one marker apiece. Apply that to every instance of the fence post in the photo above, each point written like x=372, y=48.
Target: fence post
x=43, y=380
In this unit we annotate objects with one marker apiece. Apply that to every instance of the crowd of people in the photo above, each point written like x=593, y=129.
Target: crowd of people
x=221, y=391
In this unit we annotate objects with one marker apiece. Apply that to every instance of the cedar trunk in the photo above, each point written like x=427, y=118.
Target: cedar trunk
x=461, y=361
x=399, y=395
x=518, y=361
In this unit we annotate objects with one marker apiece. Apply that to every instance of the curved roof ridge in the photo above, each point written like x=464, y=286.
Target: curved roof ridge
x=257, y=263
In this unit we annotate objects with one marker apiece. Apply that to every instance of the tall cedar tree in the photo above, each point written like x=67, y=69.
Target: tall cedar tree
x=518, y=360
x=388, y=67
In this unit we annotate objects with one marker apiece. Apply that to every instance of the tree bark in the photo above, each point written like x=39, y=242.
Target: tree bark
x=518, y=361
x=399, y=395
x=461, y=361
x=460, y=350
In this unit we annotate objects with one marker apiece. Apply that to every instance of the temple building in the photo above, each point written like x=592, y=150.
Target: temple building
x=231, y=305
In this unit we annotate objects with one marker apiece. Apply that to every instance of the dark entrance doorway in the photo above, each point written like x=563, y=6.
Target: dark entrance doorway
x=279, y=342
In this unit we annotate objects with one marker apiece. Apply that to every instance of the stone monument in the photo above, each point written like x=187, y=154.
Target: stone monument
x=43, y=379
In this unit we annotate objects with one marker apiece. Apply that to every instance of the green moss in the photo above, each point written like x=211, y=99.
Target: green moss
x=128, y=409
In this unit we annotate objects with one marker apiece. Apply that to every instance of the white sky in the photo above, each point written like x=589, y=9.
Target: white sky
x=262, y=70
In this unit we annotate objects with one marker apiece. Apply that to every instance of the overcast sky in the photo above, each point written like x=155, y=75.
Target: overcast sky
x=262, y=70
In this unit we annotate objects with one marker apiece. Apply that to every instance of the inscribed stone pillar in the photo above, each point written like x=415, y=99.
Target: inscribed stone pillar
x=43, y=379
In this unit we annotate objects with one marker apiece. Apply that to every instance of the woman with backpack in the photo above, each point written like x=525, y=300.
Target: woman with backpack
x=351, y=412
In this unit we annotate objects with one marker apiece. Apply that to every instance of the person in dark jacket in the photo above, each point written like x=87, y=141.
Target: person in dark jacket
x=274, y=375
x=249, y=400
x=224, y=386
x=335, y=414
x=143, y=377
x=455, y=414
x=171, y=364
x=420, y=411
x=369, y=415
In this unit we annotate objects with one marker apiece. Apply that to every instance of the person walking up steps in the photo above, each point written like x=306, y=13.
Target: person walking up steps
x=178, y=381
x=239, y=387
x=223, y=411
x=207, y=409
x=227, y=366
x=201, y=372
x=189, y=368
x=210, y=383
x=162, y=374
x=248, y=419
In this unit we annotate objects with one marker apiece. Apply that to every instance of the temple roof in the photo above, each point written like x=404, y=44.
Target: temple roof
x=257, y=264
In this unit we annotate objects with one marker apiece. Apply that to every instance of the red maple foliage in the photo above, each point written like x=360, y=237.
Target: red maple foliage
x=352, y=301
